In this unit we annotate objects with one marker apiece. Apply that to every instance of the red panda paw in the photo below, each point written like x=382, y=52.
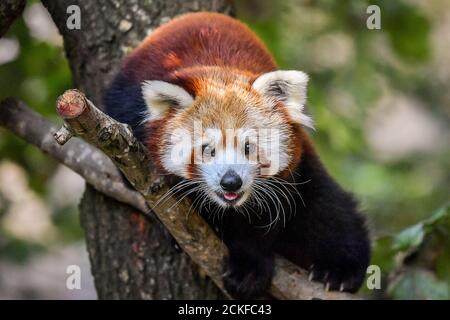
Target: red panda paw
x=248, y=283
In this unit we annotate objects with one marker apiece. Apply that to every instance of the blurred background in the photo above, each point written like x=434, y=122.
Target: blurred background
x=381, y=104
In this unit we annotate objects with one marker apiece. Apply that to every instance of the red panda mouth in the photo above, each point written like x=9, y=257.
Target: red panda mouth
x=230, y=197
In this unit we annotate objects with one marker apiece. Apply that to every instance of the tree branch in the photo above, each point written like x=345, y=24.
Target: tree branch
x=96, y=168
x=193, y=234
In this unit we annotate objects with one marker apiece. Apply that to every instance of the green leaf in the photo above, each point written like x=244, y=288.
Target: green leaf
x=413, y=236
x=441, y=214
x=418, y=284
x=409, y=238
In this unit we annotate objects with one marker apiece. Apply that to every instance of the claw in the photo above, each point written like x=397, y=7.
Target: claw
x=327, y=287
x=341, y=288
x=226, y=273
x=311, y=276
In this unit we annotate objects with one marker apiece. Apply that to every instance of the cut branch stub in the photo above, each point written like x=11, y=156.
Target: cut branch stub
x=63, y=135
x=114, y=138
x=71, y=104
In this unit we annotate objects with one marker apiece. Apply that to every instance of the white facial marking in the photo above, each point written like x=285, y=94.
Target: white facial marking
x=225, y=160
x=178, y=155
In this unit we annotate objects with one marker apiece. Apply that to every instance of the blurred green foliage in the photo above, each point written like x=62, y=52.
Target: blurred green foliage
x=352, y=69
x=37, y=76
x=417, y=258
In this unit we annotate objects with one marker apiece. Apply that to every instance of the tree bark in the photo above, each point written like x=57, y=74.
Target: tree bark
x=131, y=256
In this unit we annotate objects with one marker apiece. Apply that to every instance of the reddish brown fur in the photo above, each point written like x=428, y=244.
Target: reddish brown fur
x=157, y=128
x=191, y=168
x=182, y=43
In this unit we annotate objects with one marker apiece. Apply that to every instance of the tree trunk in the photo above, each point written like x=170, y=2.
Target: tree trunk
x=133, y=258
x=131, y=255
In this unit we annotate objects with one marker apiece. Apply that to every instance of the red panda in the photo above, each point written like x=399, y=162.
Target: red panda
x=205, y=96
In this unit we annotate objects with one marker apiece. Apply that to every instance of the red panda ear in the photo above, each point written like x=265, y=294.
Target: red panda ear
x=288, y=87
x=161, y=96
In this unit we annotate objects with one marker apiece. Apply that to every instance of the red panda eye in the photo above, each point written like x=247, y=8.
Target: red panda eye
x=208, y=151
x=249, y=148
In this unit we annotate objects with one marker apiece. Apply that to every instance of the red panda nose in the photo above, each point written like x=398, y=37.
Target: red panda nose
x=231, y=181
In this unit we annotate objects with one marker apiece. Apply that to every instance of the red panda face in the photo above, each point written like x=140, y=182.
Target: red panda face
x=232, y=136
